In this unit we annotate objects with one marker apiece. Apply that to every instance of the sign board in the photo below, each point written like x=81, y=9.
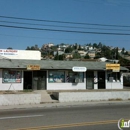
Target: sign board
x=5, y=52
x=33, y=67
x=79, y=69
x=113, y=67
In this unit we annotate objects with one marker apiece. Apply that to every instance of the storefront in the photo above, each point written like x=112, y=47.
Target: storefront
x=65, y=80
x=35, y=80
x=58, y=75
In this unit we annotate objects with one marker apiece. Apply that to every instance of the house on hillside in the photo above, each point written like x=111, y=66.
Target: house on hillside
x=92, y=54
x=68, y=55
x=59, y=52
x=82, y=53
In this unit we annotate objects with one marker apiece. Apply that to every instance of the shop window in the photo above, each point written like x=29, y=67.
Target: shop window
x=113, y=76
x=11, y=76
x=56, y=77
x=75, y=77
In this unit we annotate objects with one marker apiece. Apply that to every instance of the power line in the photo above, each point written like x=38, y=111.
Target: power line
x=63, y=26
x=70, y=31
x=19, y=18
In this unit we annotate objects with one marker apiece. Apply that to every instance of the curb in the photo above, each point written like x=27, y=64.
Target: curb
x=61, y=105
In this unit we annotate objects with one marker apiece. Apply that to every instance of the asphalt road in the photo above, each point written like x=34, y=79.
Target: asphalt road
x=96, y=117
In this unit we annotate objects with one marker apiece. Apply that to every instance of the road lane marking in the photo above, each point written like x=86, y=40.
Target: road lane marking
x=70, y=125
x=17, y=117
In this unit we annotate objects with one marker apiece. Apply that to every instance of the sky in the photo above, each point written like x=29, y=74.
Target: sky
x=36, y=22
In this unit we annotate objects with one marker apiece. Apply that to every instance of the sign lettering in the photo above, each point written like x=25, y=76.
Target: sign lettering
x=33, y=67
x=113, y=67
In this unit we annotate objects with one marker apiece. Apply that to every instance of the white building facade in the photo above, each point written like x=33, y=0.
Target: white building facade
x=57, y=75
x=20, y=54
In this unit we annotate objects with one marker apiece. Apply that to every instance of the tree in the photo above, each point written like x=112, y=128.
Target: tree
x=56, y=56
x=87, y=56
x=54, y=48
x=100, y=45
x=98, y=55
x=36, y=47
x=89, y=44
x=106, y=52
x=32, y=47
x=126, y=53
x=123, y=50
x=28, y=48
x=61, y=57
x=116, y=53
x=80, y=48
x=51, y=52
x=113, y=54
x=68, y=50
x=76, y=55
x=9, y=48
x=95, y=45
x=75, y=46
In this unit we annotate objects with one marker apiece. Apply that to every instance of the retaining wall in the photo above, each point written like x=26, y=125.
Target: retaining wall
x=19, y=99
x=92, y=96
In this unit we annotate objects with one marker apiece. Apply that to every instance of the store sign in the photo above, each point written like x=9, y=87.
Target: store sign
x=5, y=52
x=79, y=69
x=113, y=67
x=33, y=67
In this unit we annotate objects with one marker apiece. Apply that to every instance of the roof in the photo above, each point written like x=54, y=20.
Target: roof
x=52, y=64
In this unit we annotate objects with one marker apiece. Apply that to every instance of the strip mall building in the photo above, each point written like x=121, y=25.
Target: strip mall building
x=26, y=70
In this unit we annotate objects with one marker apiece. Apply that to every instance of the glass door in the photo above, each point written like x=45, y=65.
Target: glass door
x=101, y=80
x=39, y=80
x=90, y=80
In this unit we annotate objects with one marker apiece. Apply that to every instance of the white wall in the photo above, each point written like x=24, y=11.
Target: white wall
x=114, y=85
x=19, y=99
x=66, y=86
x=93, y=96
x=9, y=86
x=21, y=54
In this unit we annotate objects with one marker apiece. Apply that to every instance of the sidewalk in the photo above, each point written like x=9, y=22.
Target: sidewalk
x=65, y=104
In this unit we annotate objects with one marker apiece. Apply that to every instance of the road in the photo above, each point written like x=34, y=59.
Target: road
x=92, y=117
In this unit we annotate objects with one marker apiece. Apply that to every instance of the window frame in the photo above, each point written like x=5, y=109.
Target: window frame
x=115, y=76
x=11, y=73
x=56, y=71
x=75, y=77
